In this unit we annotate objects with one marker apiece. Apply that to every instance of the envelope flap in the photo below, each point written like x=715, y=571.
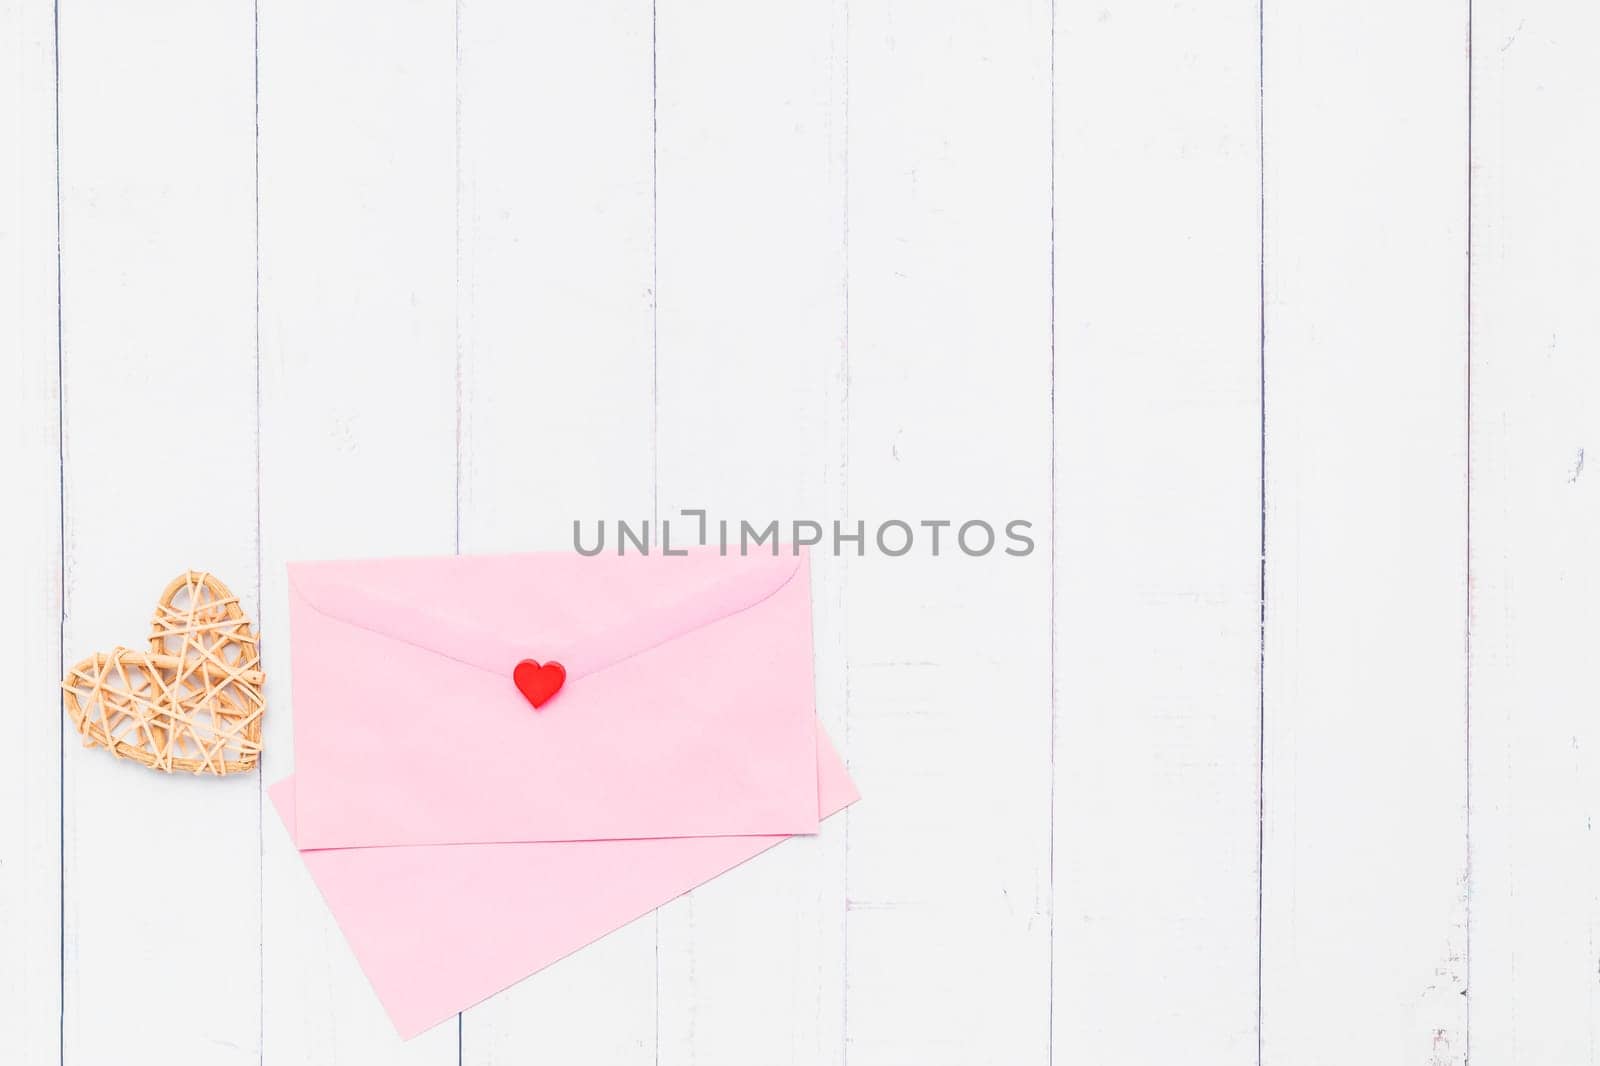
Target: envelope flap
x=587, y=613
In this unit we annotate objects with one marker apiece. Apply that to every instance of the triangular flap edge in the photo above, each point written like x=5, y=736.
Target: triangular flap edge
x=367, y=599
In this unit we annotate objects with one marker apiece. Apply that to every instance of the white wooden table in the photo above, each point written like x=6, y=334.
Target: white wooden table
x=1277, y=320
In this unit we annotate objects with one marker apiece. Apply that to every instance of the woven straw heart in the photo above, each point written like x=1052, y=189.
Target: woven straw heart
x=193, y=701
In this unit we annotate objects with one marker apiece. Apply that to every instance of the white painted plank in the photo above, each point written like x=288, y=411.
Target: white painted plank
x=1158, y=552
x=555, y=333
x=358, y=407
x=1364, y=922
x=30, y=581
x=949, y=419
x=1535, y=515
x=158, y=313
x=750, y=263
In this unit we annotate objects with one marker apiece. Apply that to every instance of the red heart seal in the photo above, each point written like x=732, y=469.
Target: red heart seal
x=538, y=683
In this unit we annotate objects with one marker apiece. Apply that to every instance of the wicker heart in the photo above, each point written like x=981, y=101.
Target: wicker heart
x=193, y=701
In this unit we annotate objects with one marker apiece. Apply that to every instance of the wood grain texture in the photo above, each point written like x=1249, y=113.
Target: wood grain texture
x=922, y=262
x=1364, y=874
x=556, y=244
x=1535, y=514
x=1158, y=568
x=949, y=419
x=158, y=313
x=30, y=580
x=358, y=409
x=749, y=369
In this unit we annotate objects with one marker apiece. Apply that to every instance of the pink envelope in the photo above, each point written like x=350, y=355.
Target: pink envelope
x=463, y=839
